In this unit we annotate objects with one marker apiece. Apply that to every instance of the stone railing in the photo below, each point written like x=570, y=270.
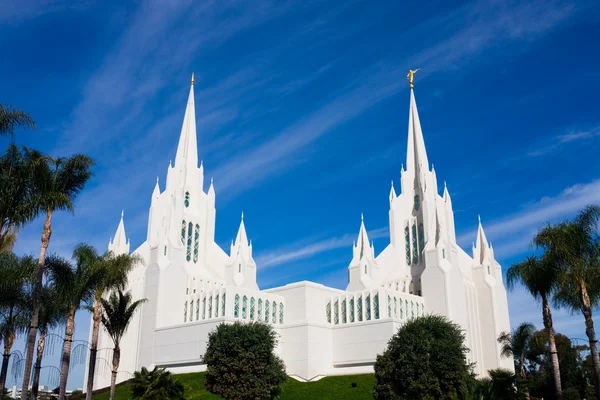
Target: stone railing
x=371, y=305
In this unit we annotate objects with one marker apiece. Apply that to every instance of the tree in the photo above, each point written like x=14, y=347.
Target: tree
x=74, y=286
x=56, y=183
x=517, y=345
x=241, y=363
x=576, y=246
x=539, y=275
x=15, y=276
x=157, y=384
x=117, y=313
x=52, y=314
x=114, y=277
x=11, y=117
x=426, y=358
x=503, y=385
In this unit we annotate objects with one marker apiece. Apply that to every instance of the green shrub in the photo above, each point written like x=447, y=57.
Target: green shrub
x=241, y=363
x=157, y=384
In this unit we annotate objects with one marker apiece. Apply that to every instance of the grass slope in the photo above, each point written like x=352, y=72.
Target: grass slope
x=330, y=388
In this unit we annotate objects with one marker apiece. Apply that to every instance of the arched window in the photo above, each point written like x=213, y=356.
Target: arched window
x=328, y=311
x=359, y=316
x=376, y=306
x=259, y=316
x=188, y=255
x=183, y=231
x=210, y=305
x=267, y=311
x=197, y=309
x=274, y=315
x=417, y=202
x=343, y=311
x=185, y=312
x=281, y=313
x=245, y=307
x=421, y=238
x=368, y=308
x=187, y=199
x=252, y=308
x=196, y=242
x=236, y=306
x=351, y=310
x=336, y=317
x=407, y=241
x=414, y=244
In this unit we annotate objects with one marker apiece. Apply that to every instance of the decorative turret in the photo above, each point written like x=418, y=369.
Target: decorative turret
x=481, y=249
x=392, y=193
x=363, y=270
x=241, y=268
x=119, y=244
x=156, y=191
x=187, y=152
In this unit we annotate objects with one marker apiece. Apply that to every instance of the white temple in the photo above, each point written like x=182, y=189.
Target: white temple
x=192, y=285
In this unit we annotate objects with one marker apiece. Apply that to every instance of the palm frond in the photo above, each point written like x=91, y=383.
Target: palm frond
x=11, y=117
x=117, y=312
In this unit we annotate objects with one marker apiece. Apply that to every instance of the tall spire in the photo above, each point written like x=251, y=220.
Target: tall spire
x=481, y=245
x=187, y=149
x=119, y=244
x=416, y=155
x=241, y=238
x=362, y=244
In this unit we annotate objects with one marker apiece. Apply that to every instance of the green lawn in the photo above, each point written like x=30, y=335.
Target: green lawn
x=334, y=387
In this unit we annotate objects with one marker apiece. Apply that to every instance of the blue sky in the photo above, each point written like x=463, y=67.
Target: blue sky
x=302, y=111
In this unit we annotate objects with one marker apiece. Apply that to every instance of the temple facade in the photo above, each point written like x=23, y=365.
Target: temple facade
x=192, y=285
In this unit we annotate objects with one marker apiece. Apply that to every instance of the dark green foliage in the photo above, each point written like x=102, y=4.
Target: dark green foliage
x=241, y=363
x=505, y=385
x=426, y=358
x=11, y=117
x=157, y=384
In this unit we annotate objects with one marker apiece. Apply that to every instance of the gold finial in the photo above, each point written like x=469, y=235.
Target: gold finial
x=410, y=76
x=192, y=78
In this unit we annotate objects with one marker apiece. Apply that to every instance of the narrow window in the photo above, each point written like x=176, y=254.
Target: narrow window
x=328, y=311
x=365, y=268
x=165, y=250
x=236, y=306
x=196, y=242
x=421, y=239
x=274, y=316
x=407, y=241
x=245, y=307
x=183, y=231
x=216, y=305
x=223, y=304
x=281, y=313
x=187, y=199
x=204, y=308
x=443, y=253
x=210, y=304
x=351, y=311
x=406, y=311
x=267, y=311
x=252, y=308
x=412, y=310
x=188, y=255
x=343, y=311
x=389, y=307
x=185, y=312
x=197, y=309
x=417, y=203
x=368, y=308
x=376, y=306
x=191, y=310
x=336, y=319
x=414, y=244
x=488, y=270
x=359, y=316
x=240, y=268
x=259, y=316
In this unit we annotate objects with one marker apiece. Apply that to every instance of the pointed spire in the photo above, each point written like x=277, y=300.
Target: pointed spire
x=156, y=191
x=241, y=237
x=211, y=189
x=447, y=198
x=392, y=193
x=119, y=244
x=362, y=243
x=187, y=149
x=416, y=155
x=481, y=244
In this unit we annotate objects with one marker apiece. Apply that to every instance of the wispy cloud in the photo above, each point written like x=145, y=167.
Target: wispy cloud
x=559, y=141
x=521, y=225
x=12, y=12
x=303, y=249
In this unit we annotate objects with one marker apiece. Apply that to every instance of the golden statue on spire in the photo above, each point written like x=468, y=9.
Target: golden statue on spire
x=410, y=76
x=192, y=78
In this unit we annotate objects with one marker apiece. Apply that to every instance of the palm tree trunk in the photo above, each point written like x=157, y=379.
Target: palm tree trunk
x=115, y=368
x=591, y=334
x=37, y=293
x=97, y=318
x=9, y=339
x=66, y=356
x=38, y=365
x=547, y=317
x=523, y=376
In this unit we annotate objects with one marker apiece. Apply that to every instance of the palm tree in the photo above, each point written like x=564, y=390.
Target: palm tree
x=539, y=276
x=157, y=384
x=74, y=287
x=114, y=277
x=17, y=200
x=52, y=315
x=576, y=246
x=56, y=184
x=11, y=117
x=15, y=274
x=517, y=345
x=117, y=313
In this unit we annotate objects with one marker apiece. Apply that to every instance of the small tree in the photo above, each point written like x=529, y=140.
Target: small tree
x=516, y=344
x=157, y=384
x=241, y=363
x=427, y=358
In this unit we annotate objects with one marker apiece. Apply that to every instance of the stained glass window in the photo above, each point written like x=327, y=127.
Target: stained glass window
x=216, y=306
x=204, y=308
x=185, y=312
x=196, y=242
x=266, y=310
x=343, y=311
x=359, y=315
x=376, y=306
x=245, y=307
x=421, y=238
x=368, y=308
x=183, y=231
x=414, y=244
x=328, y=311
x=281, y=313
x=417, y=202
x=389, y=307
x=336, y=317
x=236, y=306
x=259, y=317
x=351, y=310
x=188, y=255
x=274, y=315
x=252, y=308
x=407, y=240
x=223, y=304
x=197, y=309
x=187, y=199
